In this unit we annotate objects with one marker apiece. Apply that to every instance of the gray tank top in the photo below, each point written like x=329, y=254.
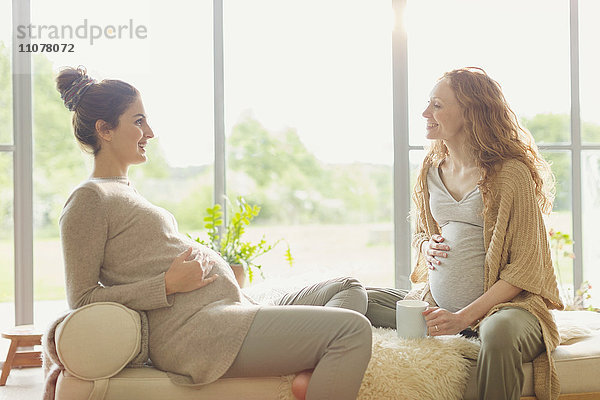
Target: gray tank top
x=458, y=280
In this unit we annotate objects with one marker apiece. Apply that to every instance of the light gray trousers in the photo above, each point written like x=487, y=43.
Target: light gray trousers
x=294, y=335
x=335, y=340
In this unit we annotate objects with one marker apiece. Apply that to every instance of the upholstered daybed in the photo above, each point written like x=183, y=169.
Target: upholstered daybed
x=95, y=345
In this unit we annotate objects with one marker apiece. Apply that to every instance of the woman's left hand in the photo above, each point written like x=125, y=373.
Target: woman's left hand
x=443, y=322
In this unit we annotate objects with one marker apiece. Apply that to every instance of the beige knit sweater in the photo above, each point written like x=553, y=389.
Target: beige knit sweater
x=117, y=247
x=517, y=252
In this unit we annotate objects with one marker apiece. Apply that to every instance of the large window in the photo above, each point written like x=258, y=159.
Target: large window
x=590, y=169
x=308, y=119
x=7, y=276
x=6, y=136
x=529, y=57
x=176, y=88
x=308, y=116
x=529, y=60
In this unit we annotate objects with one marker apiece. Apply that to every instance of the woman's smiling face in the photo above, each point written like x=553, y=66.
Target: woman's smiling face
x=130, y=136
x=443, y=113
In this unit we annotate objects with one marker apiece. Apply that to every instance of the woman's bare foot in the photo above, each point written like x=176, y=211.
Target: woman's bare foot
x=300, y=384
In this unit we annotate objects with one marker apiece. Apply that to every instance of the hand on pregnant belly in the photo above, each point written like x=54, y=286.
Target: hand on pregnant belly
x=205, y=263
x=186, y=273
x=433, y=249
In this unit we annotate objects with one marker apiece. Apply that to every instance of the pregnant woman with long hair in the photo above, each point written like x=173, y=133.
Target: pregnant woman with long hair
x=483, y=252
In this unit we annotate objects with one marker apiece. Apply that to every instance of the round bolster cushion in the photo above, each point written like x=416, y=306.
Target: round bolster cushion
x=98, y=340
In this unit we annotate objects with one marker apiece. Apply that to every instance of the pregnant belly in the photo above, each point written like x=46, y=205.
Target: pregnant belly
x=458, y=280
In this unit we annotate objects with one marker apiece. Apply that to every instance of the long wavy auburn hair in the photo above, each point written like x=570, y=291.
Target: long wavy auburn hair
x=494, y=135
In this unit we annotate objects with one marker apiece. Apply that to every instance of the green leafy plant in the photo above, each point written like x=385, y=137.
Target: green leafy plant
x=227, y=240
x=561, y=247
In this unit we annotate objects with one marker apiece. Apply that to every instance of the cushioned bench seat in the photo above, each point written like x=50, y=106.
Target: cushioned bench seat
x=149, y=383
x=78, y=344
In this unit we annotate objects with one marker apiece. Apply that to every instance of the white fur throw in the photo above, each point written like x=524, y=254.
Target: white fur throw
x=429, y=368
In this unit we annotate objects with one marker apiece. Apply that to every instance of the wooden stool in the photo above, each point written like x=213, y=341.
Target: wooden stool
x=21, y=336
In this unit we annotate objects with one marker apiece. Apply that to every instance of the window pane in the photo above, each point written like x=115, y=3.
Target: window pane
x=528, y=56
x=590, y=183
x=561, y=218
x=5, y=73
x=7, y=259
x=174, y=77
x=416, y=161
x=7, y=263
x=589, y=65
x=309, y=123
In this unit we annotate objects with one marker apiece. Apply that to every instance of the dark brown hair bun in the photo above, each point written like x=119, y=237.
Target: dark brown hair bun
x=90, y=101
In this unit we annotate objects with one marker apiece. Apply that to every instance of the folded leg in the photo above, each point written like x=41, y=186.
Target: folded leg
x=344, y=292
x=289, y=339
x=381, y=310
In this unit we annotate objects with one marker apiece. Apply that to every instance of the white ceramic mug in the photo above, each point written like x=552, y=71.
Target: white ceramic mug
x=410, y=322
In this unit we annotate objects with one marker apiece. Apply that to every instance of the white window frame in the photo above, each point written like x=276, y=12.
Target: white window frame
x=22, y=169
x=219, y=108
x=402, y=259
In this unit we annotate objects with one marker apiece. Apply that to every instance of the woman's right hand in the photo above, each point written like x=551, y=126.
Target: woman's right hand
x=433, y=248
x=186, y=274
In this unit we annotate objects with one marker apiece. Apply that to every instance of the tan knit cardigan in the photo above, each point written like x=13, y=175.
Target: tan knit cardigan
x=517, y=252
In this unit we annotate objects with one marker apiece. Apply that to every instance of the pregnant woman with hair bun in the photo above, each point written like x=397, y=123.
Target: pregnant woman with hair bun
x=119, y=247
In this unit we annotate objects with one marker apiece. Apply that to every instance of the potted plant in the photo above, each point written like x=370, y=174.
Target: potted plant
x=226, y=239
